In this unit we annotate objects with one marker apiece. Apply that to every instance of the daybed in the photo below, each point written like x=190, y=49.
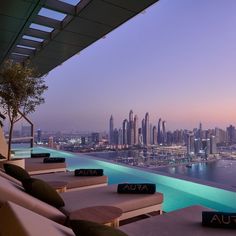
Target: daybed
x=37, y=166
x=186, y=221
x=74, y=182
x=131, y=204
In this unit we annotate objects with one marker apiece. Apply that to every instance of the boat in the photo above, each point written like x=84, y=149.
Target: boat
x=189, y=166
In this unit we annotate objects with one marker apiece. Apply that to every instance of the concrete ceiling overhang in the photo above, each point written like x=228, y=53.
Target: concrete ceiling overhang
x=84, y=23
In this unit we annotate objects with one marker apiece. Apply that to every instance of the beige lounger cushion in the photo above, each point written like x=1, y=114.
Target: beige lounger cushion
x=10, y=191
x=16, y=220
x=6, y=176
x=73, y=181
x=37, y=165
x=186, y=221
x=108, y=196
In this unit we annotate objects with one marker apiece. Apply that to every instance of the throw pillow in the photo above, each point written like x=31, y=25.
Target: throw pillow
x=43, y=191
x=16, y=171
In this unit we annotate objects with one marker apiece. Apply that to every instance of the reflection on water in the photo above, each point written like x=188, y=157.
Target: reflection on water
x=220, y=171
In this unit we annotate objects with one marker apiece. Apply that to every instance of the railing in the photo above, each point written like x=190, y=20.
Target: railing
x=31, y=138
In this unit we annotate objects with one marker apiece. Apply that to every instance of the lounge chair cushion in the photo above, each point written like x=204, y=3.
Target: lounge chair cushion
x=84, y=228
x=43, y=191
x=16, y=172
x=73, y=181
x=16, y=220
x=10, y=178
x=16, y=193
x=36, y=165
x=109, y=197
x=186, y=221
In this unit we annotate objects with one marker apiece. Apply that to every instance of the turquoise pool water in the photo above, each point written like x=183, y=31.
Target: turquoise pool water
x=178, y=193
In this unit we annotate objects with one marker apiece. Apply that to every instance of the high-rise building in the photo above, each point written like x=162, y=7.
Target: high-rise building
x=169, y=138
x=131, y=128
x=190, y=143
x=136, y=130
x=120, y=137
x=197, y=146
x=200, y=134
x=143, y=131
x=150, y=134
x=39, y=136
x=159, y=133
x=111, y=130
x=125, y=132
x=221, y=135
x=50, y=142
x=147, y=130
x=154, y=135
x=115, y=137
x=206, y=146
x=231, y=134
x=140, y=137
x=95, y=137
x=164, y=136
x=213, y=149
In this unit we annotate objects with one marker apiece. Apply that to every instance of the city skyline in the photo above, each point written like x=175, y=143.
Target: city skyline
x=176, y=60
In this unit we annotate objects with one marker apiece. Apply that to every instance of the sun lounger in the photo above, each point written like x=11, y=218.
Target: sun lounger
x=185, y=221
x=37, y=166
x=70, y=181
x=74, y=182
x=131, y=204
x=16, y=220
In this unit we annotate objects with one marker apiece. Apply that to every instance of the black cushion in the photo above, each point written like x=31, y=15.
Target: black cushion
x=16, y=171
x=43, y=191
x=54, y=160
x=219, y=219
x=136, y=188
x=88, y=172
x=87, y=228
x=35, y=155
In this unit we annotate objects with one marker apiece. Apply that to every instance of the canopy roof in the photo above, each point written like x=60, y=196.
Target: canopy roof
x=48, y=32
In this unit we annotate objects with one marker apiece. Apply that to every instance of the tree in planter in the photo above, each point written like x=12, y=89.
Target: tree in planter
x=21, y=90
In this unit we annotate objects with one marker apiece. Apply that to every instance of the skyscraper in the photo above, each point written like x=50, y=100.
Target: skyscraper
x=154, y=135
x=39, y=136
x=231, y=134
x=190, y=143
x=120, y=137
x=164, y=136
x=213, y=149
x=147, y=130
x=131, y=128
x=111, y=130
x=125, y=132
x=143, y=131
x=136, y=130
x=140, y=137
x=159, y=133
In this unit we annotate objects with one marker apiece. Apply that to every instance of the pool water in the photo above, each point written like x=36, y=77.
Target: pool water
x=178, y=193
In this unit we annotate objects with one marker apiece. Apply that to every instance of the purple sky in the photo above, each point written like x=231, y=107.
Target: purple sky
x=176, y=61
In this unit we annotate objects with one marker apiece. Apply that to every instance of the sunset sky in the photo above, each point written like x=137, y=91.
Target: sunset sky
x=177, y=61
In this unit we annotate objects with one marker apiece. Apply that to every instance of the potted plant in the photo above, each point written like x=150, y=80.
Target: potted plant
x=21, y=90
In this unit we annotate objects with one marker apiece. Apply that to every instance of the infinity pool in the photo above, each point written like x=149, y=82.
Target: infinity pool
x=178, y=193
